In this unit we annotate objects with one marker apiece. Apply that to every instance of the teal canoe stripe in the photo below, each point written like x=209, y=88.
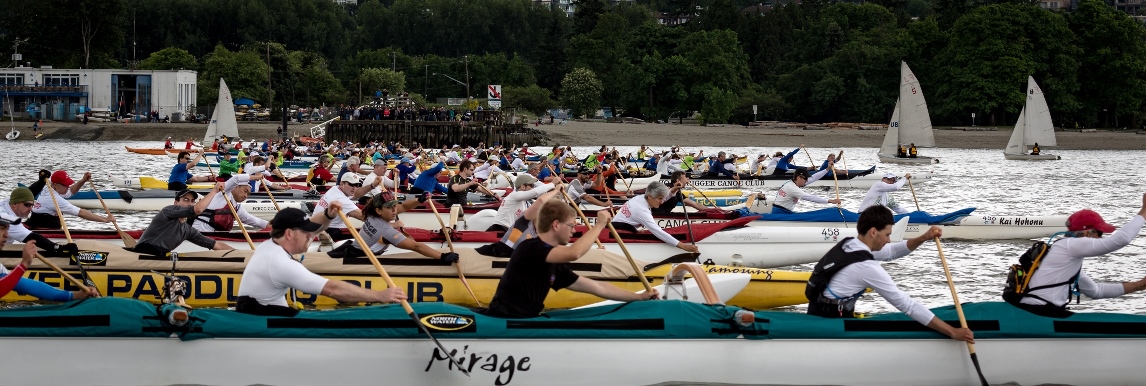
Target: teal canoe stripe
x=336, y=324
x=1119, y=328
x=625, y=324
x=857, y=325
x=63, y=321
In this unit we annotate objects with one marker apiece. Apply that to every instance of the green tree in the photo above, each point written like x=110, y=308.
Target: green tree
x=244, y=71
x=382, y=78
x=316, y=84
x=581, y=91
x=718, y=105
x=1112, y=71
x=170, y=58
x=531, y=98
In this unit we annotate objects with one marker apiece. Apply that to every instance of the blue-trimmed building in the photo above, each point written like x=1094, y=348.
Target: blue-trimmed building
x=60, y=94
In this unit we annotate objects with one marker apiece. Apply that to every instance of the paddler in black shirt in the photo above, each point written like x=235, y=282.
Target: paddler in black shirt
x=538, y=264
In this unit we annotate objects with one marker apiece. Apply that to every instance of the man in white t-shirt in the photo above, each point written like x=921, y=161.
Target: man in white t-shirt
x=638, y=212
x=272, y=269
x=60, y=187
x=791, y=192
x=853, y=265
x=341, y=194
x=218, y=217
x=525, y=189
x=880, y=193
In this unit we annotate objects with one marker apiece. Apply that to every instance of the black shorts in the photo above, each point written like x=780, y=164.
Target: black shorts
x=176, y=186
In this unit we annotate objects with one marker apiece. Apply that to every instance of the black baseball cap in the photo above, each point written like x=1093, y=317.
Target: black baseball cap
x=293, y=218
x=184, y=192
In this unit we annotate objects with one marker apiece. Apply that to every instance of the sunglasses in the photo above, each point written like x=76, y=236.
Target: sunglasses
x=357, y=185
x=28, y=204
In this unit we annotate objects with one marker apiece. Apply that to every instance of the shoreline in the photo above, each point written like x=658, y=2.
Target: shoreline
x=621, y=134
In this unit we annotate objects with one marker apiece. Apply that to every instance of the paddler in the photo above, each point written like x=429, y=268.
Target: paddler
x=716, y=167
x=880, y=193
x=60, y=187
x=854, y=264
x=272, y=269
x=344, y=194
x=228, y=166
x=170, y=227
x=9, y=280
x=218, y=217
x=524, y=227
x=12, y=212
x=181, y=172
x=637, y=212
x=539, y=264
x=790, y=193
x=578, y=189
x=784, y=163
x=167, y=144
x=383, y=228
x=676, y=183
x=525, y=189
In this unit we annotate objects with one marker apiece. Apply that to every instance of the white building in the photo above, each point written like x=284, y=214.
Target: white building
x=59, y=94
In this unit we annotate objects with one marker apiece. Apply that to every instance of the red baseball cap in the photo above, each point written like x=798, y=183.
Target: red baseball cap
x=61, y=177
x=1087, y=219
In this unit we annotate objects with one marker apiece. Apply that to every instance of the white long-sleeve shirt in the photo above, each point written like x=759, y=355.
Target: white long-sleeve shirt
x=879, y=194
x=517, y=164
x=857, y=277
x=513, y=205
x=369, y=180
x=484, y=171
x=668, y=166
x=44, y=204
x=1065, y=259
x=789, y=194
x=636, y=212
x=219, y=204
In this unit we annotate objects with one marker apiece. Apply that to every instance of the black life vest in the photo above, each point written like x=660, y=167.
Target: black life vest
x=832, y=262
x=1019, y=277
x=219, y=220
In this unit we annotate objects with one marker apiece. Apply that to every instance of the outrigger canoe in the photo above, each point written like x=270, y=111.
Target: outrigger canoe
x=960, y=224
x=640, y=343
x=158, y=199
x=153, y=151
x=213, y=276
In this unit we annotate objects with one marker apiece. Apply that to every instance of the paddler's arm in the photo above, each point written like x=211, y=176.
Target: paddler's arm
x=565, y=254
x=206, y=201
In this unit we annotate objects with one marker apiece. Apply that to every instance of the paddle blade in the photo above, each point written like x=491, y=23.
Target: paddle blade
x=128, y=241
x=975, y=360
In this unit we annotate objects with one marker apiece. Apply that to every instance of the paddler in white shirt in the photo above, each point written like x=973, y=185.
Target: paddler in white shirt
x=218, y=217
x=880, y=193
x=791, y=192
x=637, y=212
x=853, y=265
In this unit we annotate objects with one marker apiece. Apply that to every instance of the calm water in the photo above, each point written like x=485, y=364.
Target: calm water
x=967, y=178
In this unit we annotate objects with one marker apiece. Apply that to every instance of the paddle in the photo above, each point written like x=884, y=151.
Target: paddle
x=837, y=182
x=580, y=213
x=128, y=241
x=266, y=187
x=621, y=243
x=687, y=222
x=390, y=283
x=83, y=286
x=710, y=202
x=68, y=236
x=909, y=185
x=450, y=242
x=959, y=310
x=235, y=213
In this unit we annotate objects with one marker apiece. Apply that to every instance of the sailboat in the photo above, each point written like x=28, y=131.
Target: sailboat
x=12, y=135
x=223, y=122
x=1034, y=127
x=910, y=123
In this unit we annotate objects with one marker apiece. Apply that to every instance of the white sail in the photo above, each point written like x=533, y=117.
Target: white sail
x=1039, y=128
x=914, y=120
x=223, y=119
x=890, y=145
x=1015, y=144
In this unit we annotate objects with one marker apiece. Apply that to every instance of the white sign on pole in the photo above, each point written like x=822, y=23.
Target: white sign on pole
x=494, y=95
x=494, y=104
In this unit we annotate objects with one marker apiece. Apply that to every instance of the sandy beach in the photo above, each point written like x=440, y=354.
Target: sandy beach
x=623, y=134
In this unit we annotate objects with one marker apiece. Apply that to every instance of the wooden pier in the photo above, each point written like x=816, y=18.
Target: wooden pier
x=486, y=127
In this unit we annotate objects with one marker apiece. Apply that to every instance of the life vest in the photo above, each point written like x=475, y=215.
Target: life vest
x=1019, y=277
x=219, y=220
x=831, y=264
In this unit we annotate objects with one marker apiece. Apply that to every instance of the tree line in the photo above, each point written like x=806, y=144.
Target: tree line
x=812, y=61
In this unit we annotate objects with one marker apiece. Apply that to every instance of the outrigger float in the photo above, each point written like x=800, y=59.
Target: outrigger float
x=638, y=343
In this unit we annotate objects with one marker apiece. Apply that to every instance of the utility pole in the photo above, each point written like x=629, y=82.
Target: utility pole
x=270, y=102
x=16, y=57
x=393, y=62
x=425, y=82
x=468, y=95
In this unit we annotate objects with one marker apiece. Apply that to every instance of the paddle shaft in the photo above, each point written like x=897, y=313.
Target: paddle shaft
x=63, y=224
x=838, y=207
x=123, y=235
x=266, y=187
x=450, y=242
x=959, y=309
x=580, y=213
x=913, y=198
x=687, y=222
x=235, y=213
x=633, y=263
x=67, y=276
x=390, y=284
x=710, y=202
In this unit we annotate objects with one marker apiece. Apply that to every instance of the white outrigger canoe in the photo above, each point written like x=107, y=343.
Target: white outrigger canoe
x=746, y=182
x=639, y=343
x=153, y=200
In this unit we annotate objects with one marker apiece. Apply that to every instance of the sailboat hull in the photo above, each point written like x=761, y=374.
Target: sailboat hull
x=1028, y=157
x=916, y=160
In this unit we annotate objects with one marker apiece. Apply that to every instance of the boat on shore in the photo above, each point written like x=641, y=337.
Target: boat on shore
x=213, y=277
x=910, y=122
x=636, y=343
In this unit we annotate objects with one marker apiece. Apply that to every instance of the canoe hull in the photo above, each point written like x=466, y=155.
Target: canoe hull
x=918, y=160
x=1028, y=157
